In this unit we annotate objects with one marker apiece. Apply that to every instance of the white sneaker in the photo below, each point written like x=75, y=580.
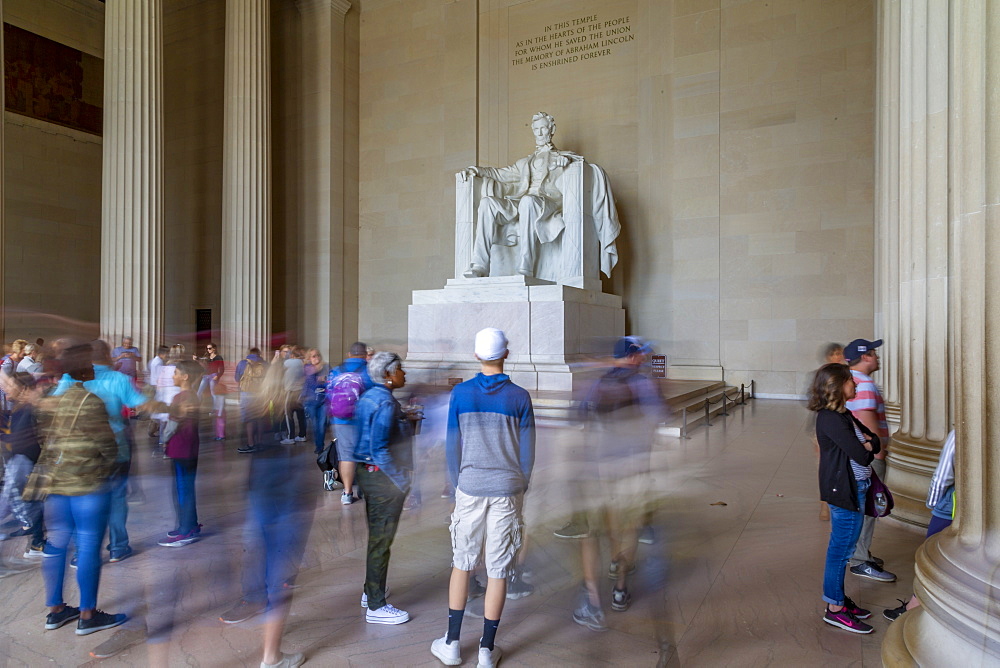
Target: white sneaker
x=287, y=661
x=449, y=655
x=300, y=439
x=346, y=499
x=488, y=659
x=364, y=597
x=287, y=441
x=387, y=614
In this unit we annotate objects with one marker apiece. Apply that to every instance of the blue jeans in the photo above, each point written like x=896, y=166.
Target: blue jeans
x=316, y=412
x=118, y=511
x=845, y=527
x=184, y=496
x=83, y=519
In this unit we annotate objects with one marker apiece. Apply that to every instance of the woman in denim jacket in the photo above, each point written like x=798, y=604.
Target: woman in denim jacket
x=385, y=459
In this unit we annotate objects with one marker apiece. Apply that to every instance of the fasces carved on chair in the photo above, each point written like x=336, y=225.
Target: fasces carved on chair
x=550, y=215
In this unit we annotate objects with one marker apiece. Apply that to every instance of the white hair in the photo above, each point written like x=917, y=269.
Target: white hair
x=383, y=364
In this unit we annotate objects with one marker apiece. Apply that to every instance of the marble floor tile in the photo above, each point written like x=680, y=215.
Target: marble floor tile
x=722, y=585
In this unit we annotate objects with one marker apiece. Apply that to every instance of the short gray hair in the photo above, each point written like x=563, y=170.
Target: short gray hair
x=382, y=364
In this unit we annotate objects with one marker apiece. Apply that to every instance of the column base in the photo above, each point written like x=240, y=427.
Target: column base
x=958, y=623
x=911, y=463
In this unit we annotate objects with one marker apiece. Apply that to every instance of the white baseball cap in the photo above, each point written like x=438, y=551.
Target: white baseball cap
x=491, y=344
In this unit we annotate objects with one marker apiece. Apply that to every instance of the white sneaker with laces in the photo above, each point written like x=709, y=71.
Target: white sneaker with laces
x=387, y=614
x=487, y=658
x=300, y=439
x=449, y=655
x=346, y=499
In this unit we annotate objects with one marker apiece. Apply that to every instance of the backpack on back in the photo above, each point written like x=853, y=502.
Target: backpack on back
x=253, y=376
x=342, y=394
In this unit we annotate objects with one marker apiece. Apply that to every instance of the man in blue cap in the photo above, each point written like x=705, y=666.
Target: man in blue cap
x=868, y=407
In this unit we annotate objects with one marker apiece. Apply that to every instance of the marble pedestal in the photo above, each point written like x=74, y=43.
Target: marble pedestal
x=555, y=331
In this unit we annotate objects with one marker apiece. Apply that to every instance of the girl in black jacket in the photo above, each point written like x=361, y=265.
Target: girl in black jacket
x=846, y=449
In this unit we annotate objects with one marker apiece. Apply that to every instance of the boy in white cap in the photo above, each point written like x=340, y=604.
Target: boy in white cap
x=490, y=452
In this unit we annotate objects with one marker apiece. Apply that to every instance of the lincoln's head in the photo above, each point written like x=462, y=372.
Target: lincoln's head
x=543, y=127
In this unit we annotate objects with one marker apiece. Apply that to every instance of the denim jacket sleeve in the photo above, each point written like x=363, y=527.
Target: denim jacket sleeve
x=384, y=429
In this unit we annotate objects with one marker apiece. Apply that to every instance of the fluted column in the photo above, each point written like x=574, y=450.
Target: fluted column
x=887, y=204
x=132, y=199
x=323, y=265
x=246, y=180
x=957, y=570
x=924, y=363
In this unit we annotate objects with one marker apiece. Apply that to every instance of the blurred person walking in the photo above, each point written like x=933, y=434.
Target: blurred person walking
x=214, y=369
x=21, y=449
x=182, y=447
x=621, y=413
x=384, y=453
x=152, y=375
x=833, y=353
x=314, y=396
x=847, y=449
x=490, y=452
x=249, y=375
x=293, y=384
x=345, y=385
x=30, y=362
x=78, y=458
x=118, y=393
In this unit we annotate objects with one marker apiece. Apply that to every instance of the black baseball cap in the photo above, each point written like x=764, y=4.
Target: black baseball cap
x=858, y=347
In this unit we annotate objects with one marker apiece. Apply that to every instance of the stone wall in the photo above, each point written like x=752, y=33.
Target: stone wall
x=738, y=137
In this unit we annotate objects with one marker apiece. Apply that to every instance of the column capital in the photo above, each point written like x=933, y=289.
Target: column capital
x=339, y=6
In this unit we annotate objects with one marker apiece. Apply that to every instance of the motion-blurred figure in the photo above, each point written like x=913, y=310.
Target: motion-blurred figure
x=621, y=413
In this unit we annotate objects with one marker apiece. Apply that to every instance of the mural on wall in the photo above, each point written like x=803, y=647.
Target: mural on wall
x=52, y=82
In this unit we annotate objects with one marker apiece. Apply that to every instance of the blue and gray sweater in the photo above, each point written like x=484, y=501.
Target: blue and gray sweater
x=490, y=448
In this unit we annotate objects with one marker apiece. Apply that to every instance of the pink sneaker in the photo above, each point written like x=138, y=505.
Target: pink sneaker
x=853, y=608
x=845, y=620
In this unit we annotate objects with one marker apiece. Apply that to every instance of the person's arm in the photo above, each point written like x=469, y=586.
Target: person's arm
x=830, y=426
x=240, y=368
x=526, y=435
x=453, y=443
x=869, y=418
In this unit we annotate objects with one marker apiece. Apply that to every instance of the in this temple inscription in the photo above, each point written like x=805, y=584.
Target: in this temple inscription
x=575, y=40
x=550, y=215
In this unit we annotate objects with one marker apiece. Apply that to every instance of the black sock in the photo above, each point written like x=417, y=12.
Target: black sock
x=489, y=633
x=454, y=624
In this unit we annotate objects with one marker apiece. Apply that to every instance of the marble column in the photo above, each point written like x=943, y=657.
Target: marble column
x=887, y=204
x=922, y=360
x=246, y=179
x=132, y=178
x=323, y=264
x=958, y=623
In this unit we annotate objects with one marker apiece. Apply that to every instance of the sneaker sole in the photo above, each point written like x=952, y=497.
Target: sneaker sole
x=571, y=537
x=53, y=627
x=873, y=577
x=891, y=618
x=592, y=627
x=87, y=632
x=448, y=661
x=846, y=627
x=178, y=543
x=621, y=608
x=517, y=595
x=242, y=619
x=370, y=620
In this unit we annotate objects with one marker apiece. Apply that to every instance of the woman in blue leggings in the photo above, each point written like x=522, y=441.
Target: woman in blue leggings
x=72, y=476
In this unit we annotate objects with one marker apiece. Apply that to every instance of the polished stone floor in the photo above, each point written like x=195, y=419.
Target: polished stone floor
x=723, y=585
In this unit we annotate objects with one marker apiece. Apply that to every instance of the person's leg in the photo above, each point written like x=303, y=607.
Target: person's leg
x=219, y=407
x=60, y=529
x=494, y=213
x=118, y=513
x=15, y=476
x=845, y=526
x=529, y=209
x=346, y=440
x=300, y=415
x=937, y=524
x=862, y=551
x=383, y=506
x=90, y=514
x=590, y=553
x=187, y=518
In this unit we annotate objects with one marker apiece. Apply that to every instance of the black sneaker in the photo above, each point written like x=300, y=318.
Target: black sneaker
x=56, y=619
x=620, y=599
x=572, y=530
x=246, y=449
x=872, y=572
x=892, y=614
x=120, y=555
x=100, y=621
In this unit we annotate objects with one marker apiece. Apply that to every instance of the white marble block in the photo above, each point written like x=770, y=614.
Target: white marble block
x=554, y=330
